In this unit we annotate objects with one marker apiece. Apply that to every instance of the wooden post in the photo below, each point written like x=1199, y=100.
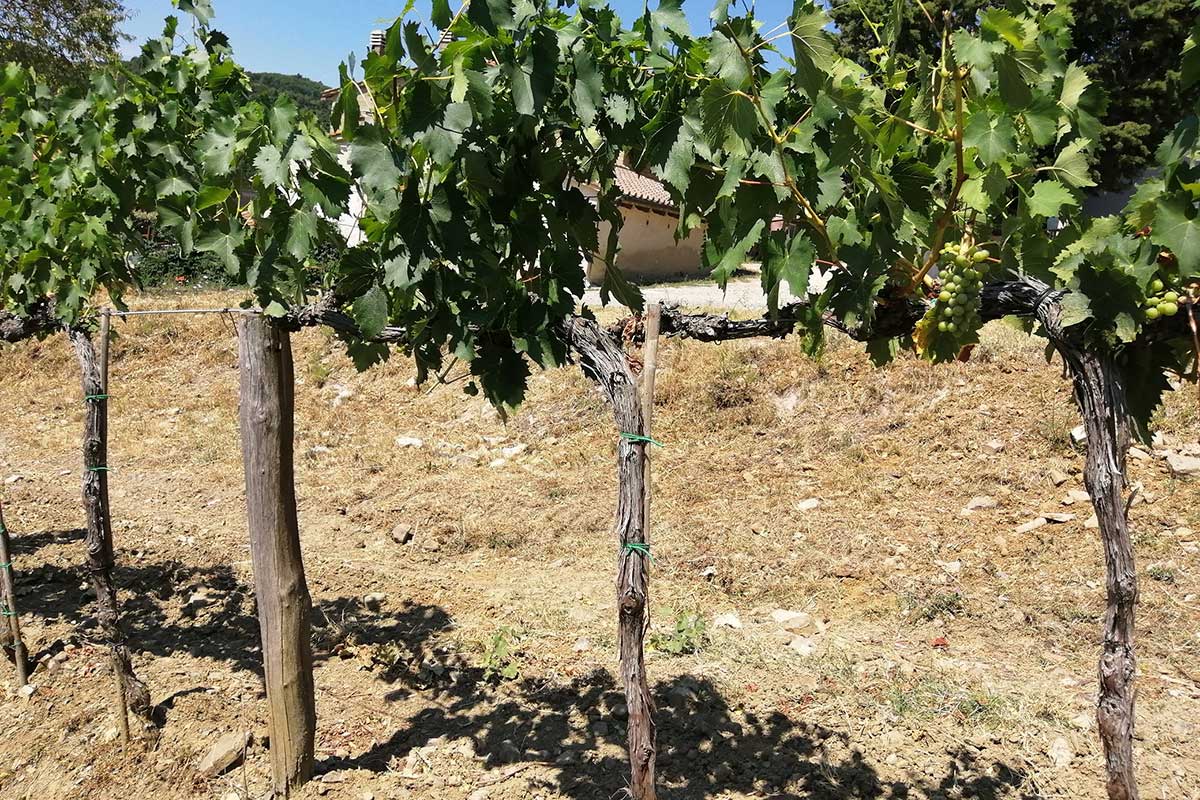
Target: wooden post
x=132, y=694
x=602, y=360
x=284, y=605
x=11, y=621
x=653, y=321
x=1100, y=393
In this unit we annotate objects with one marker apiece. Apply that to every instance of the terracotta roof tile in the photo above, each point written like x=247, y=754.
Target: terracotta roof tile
x=637, y=186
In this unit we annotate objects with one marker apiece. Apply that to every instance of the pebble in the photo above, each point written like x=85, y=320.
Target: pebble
x=1058, y=477
x=1032, y=525
x=727, y=621
x=809, y=504
x=409, y=441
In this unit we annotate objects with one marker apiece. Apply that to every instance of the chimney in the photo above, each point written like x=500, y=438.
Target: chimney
x=378, y=41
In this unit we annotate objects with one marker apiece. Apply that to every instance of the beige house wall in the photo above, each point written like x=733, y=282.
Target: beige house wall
x=648, y=248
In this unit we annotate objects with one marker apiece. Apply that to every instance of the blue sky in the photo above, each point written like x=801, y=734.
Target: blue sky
x=311, y=37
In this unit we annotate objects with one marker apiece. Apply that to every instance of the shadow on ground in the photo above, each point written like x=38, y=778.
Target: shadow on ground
x=706, y=747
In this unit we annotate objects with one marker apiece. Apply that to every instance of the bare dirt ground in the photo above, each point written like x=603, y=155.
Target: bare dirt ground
x=947, y=655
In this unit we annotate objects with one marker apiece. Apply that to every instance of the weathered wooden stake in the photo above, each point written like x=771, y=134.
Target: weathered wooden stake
x=132, y=694
x=602, y=360
x=1101, y=396
x=11, y=622
x=652, y=323
x=284, y=605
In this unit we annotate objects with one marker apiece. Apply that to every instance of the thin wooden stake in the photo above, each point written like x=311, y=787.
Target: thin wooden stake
x=284, y=604
x=652, y=323
x=132, y=694
x=118, y=670
x=20, y=654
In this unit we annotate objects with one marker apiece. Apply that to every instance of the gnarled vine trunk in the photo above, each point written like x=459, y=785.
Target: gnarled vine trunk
x=1100, y=394
x=132, y=693
x=605, y=363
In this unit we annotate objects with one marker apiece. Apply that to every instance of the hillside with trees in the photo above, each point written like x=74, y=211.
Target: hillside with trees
x=269, y=86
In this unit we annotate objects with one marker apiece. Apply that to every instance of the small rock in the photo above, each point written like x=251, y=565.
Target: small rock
x=11, y=479
x=809, y=504
x=582, y=645
x=1061, y=753
x=1078, y=434
x=994, y=446
x=402, y=533
x=480, y=794
x=409, y=441
x=514, y=451
x=27, y=691
x=228, y=751
x=431, y=544
x=374, y=601
x=1058, y=518
x=708, y=572
x=1092, y=522
x=1032, y=525
x=951, y=567
x=803, y=645
x=1077, y=496
x=1058, y=477
x=1138, y=454
x=793, y=621
x=1084, y=720
x=978, y=502
x=1183, y=466
x=727, y=621
x=498, y=463
x=343, y=394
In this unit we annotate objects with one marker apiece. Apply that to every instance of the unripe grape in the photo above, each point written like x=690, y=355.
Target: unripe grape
x=1152, y=313
x=981, y=256
x=961, y=260
x=1170, y=297
x=945, y=296
x=1153, y=301
x=1168, y=309
x=950, y=327
x=942, y=326
x=1156, y=286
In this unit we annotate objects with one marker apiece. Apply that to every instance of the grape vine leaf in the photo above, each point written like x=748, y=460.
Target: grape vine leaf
x=1177, y=229
x=1048, y=198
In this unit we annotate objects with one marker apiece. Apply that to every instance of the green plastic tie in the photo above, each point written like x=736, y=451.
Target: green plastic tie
x=638, y=547
x=99, y=469
x=637, y=437
x=7, y=613
x=93, y=397
x=7, y=565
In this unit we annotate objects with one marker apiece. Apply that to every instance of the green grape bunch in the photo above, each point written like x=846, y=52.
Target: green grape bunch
x=1162, y=302
x=953, y=321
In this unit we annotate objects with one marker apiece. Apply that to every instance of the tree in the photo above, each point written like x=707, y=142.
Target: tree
x=61, y=39
x=1129, y=49
x=306, y=93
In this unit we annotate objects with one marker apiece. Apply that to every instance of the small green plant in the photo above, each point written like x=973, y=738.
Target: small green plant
x=1160, y=573
x=943, y=605
x=689, y=635
x=499, y=656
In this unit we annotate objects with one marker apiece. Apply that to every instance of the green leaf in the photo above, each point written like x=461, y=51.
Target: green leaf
x=216, y=146
x=669, y=15
x=1013, y=89
x=1071, y=166
x=374, y=163
x=302, y=229
x=725, y=59
x=1075, y=83
x=281, y=118
x=1177, y=228
x=588, y=92
x=173, y=186
x=441, y=16
x=210, y=196
x=974, y=52
x=370, y=312
x=993, y=137
x=727, y=118
x=272, y=170
x=200, y=9
x=223, y=243
x=1048, y=198
x=732, y=259
x=812, y=44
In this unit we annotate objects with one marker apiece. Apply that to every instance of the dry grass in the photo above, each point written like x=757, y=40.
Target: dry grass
x=886, y=561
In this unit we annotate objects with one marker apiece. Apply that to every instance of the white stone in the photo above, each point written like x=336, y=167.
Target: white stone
x=228, y=750
x=793, y=621
x=1058, y=518
x=1138, y=454
x=809, y=504
x=1058, y=477
x=803, y=645
x=1092, y=522
x=995, y=446
x=1078, y=434
x=1183, y=466
x=1032, y=525
x=409, y=441
x=1061, y=753
x=514, y=451
x=727, y=621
